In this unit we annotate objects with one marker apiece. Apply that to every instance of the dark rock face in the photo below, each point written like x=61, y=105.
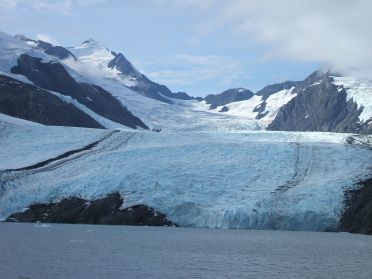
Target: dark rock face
x=22, y=38
x=224, y=109
x=53, y=76
x=153, y=90
x=228, y=96
x=28, y=102
x=321, y=106
x=124, y=66
x=182, y=96
x=357, y=217
x=267, y=91
x=103, y=211
x=57, y=51
x=144, y=86
x=366, y=127
x=271, y=89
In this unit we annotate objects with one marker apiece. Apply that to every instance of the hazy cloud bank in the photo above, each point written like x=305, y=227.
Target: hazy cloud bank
x=336, y=33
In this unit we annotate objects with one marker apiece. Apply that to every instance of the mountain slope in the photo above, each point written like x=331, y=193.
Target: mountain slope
x=25, y=101
x=116, y=66
x=227, y=97
x=321, y=102
x=57, y=51
x=54, y=77
x=23, y=60
x=106, y=86
x=326, y=106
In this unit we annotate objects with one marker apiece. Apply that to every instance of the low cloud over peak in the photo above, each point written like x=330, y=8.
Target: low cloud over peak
x=336, y=33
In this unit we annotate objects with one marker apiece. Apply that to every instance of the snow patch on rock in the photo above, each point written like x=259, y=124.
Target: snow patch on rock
x=360, y=91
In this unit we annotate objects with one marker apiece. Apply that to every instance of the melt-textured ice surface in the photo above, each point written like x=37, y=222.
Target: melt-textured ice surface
x=9, y=120
x=24, y=143
x=268, y=180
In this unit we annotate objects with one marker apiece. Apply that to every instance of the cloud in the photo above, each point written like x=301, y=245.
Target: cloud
x=199, y=4
x=57, y=6
x=186, y=69
x=46, y=38
x=336, y=33
x=83, y=69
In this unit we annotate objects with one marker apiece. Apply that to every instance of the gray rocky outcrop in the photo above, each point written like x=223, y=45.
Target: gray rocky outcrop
x=104, y=211
x=321, y=106
x=357, y=217
x=53, y=76
x=227, y=97
x=31, y=103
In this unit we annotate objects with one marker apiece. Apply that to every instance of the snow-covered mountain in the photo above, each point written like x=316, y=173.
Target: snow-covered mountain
x=115, y=66
x=39, y=87
x=101, y=88
x=207, y=168
x=322, y=102
x=331, y=103
x=228, y=96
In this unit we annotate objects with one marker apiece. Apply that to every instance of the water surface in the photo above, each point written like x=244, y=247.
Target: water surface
x=85, y=251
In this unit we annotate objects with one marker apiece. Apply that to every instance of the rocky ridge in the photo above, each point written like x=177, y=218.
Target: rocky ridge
x=104, y=211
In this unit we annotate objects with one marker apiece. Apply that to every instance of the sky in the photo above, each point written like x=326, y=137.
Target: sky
x=207, y=46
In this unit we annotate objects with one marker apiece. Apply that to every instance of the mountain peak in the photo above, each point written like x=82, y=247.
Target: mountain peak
x=93, y=44
x=90, y=41
x=22, y=38
x=123, y=65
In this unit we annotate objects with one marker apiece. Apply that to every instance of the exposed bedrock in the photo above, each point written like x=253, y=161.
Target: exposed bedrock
x=54, y=77
x=26, y=101
x=104, y=211
x=357, y=217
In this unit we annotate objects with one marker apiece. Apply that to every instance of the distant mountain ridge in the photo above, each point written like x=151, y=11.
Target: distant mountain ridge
x=49, y=92
x=125, y=70
x=105, y=90
x=321, y=102
x=228, y=96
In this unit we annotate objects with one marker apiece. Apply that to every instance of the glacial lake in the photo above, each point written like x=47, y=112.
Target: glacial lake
x=86, y=252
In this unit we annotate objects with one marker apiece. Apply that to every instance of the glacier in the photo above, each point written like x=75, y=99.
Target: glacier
x=214, y=179
x=205, y=168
